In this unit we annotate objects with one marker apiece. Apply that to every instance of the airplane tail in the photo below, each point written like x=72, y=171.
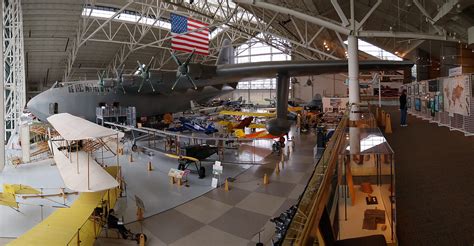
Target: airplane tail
x=194, y=105
x=226, y=56
x=239, y=133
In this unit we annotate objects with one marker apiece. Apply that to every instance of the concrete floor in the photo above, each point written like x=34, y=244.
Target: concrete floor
x=434, y=179
x=234, y=217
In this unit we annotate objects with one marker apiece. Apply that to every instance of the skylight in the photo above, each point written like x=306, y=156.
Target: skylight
x=126, y=17
x=376, y=51
x=104, y=12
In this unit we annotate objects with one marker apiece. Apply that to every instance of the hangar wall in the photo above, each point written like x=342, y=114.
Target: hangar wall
x=326, y=85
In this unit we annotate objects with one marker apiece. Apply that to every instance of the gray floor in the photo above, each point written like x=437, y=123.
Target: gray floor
x=153, y=187
x=38, y=175
x=234, y=217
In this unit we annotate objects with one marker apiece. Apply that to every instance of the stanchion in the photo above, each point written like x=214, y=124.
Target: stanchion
x=388, y=123
x=226, y=185
x=142, y=239
x=139, y=214
x=277, y=168
x=150, y=167
x=130, y=158
x=265, y=179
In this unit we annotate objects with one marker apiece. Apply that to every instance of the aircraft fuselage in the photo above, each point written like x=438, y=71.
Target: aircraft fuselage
x=82, y=99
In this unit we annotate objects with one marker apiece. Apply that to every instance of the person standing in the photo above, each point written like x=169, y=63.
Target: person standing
x=403, y=108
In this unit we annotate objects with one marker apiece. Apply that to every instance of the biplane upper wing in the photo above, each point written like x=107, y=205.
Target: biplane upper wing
x=78, y=169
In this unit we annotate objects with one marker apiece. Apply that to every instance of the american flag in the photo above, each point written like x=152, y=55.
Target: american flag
x=185, y=39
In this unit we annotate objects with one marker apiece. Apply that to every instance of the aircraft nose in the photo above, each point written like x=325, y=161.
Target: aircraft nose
x=32, y=106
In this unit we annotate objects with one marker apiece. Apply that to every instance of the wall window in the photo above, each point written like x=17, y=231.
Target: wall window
x=257, y=51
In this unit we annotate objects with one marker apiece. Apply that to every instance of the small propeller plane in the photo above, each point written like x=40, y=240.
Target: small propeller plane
x=194, y=155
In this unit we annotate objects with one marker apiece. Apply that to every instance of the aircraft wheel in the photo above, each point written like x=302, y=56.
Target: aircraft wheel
x=134, y=148
x=181, y=167
x=202, y=172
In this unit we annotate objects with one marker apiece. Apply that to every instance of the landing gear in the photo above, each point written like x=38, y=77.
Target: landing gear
x=134, y=148
x=202, y=172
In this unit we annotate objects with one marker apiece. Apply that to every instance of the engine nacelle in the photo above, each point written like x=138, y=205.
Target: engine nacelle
x=278, y=127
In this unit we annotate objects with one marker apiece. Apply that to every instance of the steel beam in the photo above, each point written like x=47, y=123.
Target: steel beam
x=2, y=95
x=14, y=70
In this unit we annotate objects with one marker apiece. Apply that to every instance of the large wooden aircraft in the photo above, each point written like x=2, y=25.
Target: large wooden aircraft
x=156, y=93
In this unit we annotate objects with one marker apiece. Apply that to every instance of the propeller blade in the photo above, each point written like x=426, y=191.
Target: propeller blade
x=189, y=57
x=176, y=82
x=173, y=55
x=172, y=156
x=140, y=66
x=141, y=85
x=149, y=64
x=192, y=81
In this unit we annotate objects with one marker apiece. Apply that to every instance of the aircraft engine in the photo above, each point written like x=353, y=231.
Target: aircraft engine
x=278, y=127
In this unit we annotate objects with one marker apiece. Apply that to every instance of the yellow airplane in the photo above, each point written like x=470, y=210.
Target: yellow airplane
x=8, y=198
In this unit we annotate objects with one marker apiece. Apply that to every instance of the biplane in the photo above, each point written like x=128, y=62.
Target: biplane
x=73, y=152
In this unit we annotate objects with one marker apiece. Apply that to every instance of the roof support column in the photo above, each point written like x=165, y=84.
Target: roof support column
x=354, y=92
x=2, y=97
x=353, y=63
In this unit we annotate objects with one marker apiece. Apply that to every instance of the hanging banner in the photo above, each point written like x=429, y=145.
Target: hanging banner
x=456, y=95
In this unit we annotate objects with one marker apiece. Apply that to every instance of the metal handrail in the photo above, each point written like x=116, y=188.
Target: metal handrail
x=302, y=229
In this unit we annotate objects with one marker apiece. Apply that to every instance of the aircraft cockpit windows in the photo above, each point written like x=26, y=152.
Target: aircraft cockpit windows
x=53, y=108
x=79, y=88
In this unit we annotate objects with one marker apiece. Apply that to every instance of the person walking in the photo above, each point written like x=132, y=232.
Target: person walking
x=403, y=108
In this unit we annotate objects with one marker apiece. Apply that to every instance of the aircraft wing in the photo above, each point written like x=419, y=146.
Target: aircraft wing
x=240, y=113
x=247, y=71
x=79, y=170
x=211, y=75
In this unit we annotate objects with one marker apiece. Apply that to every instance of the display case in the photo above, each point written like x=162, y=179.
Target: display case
x=366, y=199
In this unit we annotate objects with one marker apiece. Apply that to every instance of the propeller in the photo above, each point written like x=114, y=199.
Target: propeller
x=101, y=80
x=183, y=70
x=182, y=157
x=119, y=79
x=145, y=73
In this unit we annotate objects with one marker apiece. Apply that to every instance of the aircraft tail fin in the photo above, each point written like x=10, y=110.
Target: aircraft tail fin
x=226, y=56
x=194, y=105
x=239, y=133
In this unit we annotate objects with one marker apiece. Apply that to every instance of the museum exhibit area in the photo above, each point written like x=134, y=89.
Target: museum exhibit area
x=446, y=101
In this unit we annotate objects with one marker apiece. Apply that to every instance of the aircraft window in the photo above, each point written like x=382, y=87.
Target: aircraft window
x=96, y=89
x=79, y=88
x=53, y=108
x=70, y=89
x=88, y=88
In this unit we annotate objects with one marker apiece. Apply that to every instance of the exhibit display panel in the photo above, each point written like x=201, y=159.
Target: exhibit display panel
x=335, y=104
x=447, y=101
x=366, y=185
